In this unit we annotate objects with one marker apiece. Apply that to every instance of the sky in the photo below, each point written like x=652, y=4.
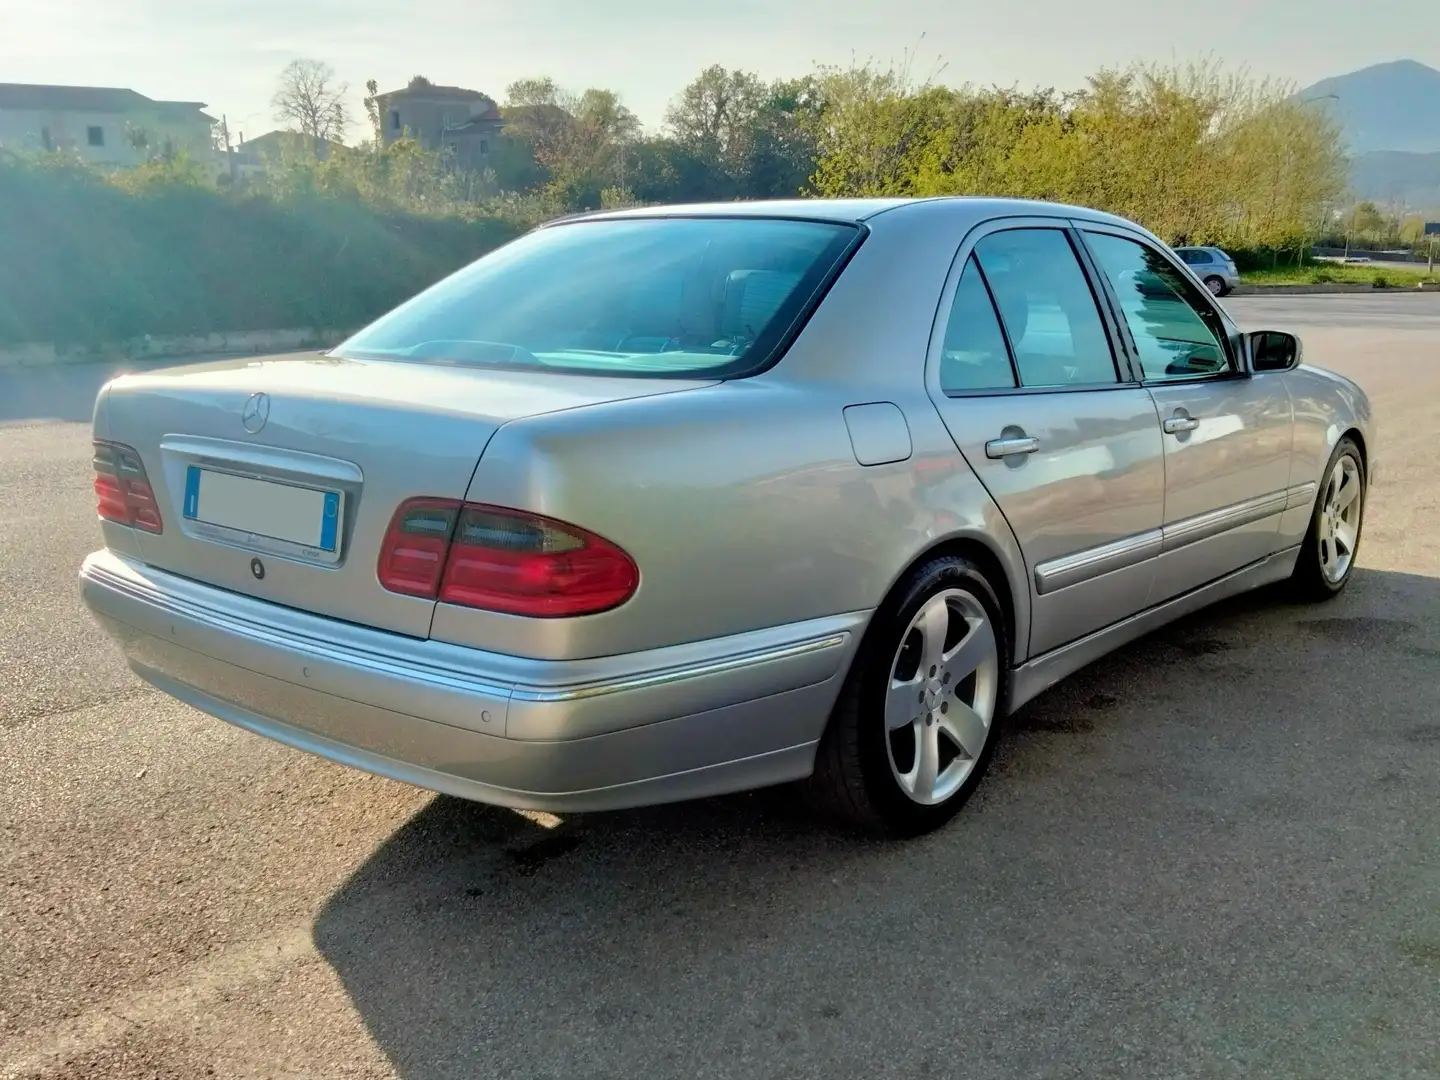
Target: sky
x=228, y=53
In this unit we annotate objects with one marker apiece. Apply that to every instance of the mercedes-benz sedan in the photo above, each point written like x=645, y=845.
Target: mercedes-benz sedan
x=664, y=503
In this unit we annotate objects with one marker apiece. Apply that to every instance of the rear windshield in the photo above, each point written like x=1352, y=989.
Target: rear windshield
x=653, y=297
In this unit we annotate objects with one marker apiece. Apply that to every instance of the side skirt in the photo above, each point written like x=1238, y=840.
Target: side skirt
x=1038, y=675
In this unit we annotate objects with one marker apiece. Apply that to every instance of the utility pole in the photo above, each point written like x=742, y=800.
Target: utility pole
x=229, y=152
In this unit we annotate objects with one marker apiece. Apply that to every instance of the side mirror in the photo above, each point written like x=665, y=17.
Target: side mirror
x=1273, y=350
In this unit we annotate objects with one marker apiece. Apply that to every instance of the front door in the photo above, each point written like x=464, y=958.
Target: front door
x=1024, y=376
x=1227, y=436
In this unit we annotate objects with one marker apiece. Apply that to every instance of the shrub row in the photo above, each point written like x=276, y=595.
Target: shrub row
x=83, y=261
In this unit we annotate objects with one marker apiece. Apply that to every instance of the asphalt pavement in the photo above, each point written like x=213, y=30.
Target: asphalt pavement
x=1213, y=854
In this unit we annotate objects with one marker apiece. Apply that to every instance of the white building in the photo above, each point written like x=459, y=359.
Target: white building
x=102, y=125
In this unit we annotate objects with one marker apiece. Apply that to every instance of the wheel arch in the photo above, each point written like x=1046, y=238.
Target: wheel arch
x=989, y=561
x=1355, y=435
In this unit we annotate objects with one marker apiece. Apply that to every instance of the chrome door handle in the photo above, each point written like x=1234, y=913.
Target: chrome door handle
x=1011, y=445
x=1176, y=424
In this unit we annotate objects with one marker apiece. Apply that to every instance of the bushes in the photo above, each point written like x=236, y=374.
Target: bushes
x=83, y=261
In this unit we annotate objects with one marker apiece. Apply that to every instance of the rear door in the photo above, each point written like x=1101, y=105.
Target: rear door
x=1227, y=436
x=1023, y=372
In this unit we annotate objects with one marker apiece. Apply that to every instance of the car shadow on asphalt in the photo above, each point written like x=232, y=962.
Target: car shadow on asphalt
x=732, y=936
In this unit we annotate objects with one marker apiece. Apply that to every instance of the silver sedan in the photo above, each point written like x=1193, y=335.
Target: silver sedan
x=660, y=504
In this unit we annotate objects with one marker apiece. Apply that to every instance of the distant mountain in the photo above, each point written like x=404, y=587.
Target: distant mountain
x=1393, y=106
x=1395, y=177
x=1390, y=116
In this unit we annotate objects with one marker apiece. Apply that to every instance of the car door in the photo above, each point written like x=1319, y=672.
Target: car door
x=1023, y=372
x=1227, y=436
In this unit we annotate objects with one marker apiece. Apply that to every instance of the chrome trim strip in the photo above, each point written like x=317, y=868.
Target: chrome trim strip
x=1303, y=495
x=1093, y=562
x=454, y=667
x=1213, y=523
x=1070, y=570
x=682, y=674
x=261, y=462
x=138, y=590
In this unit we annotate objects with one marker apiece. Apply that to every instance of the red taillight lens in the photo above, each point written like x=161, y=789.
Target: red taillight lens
x=503, y=560
x=122, y=490
x=523, y=564
x=413, y=556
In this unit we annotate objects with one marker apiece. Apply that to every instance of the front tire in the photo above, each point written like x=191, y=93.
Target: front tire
x=1328, y=554
x=914, y=729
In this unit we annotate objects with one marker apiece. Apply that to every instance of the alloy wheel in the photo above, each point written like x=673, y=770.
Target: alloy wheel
x=1340, y=519
x=943, y=689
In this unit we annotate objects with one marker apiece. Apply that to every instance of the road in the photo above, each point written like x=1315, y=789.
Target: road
x=1215, y=854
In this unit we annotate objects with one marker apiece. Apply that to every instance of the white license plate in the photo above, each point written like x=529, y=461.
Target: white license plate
x=309, y=517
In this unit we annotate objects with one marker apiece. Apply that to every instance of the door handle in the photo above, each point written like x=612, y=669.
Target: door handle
x=1011, y=445
x=1176, y=424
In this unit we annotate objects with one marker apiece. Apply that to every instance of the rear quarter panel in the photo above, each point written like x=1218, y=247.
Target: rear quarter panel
x=742, y=504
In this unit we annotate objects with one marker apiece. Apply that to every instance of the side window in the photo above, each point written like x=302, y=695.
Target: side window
x=1047, y=307
x=1177, y=334
x=974, y=356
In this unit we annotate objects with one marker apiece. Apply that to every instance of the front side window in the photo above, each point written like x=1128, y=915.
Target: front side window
x=1176, y=333
x=1047, y=307
x=653, y=297
x=974, y=355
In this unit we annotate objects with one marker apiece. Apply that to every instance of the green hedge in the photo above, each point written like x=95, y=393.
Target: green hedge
x=85, y=262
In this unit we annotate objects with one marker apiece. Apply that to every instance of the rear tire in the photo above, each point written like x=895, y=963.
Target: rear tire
x=1216, y=286
x=915, y=726
x=1332, y=543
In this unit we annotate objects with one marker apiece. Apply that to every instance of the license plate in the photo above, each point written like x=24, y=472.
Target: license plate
x=308, y=517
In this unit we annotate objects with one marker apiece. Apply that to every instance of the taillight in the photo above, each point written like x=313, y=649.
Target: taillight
x=122, y=489
x=503, y=560
x=413, y=555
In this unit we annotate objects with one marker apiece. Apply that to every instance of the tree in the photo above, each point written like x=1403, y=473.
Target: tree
x=310, y=98
x=372, y=111
x=750, y=139
x=714, y=117
x=581, y=141
x=1365, y=220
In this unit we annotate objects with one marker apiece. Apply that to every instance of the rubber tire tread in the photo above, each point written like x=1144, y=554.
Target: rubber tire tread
x=838, y=788
x=1307, y=582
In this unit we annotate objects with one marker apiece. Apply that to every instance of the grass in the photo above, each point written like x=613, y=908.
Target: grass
x=1394, y=275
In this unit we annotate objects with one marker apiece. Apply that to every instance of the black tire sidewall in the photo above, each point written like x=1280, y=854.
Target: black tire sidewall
x=900, y=814
x=1211, y=289
x=1314, y=572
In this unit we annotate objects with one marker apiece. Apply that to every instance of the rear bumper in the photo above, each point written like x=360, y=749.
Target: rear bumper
x=677, y=723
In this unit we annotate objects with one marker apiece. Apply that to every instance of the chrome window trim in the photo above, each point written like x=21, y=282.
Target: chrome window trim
x=1228, y=343
x=1125, y=375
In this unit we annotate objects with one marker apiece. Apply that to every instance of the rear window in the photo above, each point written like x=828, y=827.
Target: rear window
x=652, y=297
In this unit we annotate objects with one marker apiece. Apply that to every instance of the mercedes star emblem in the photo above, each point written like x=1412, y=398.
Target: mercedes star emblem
x=255, y=413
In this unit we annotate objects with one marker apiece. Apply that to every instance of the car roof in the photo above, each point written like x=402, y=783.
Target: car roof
x=855, y=211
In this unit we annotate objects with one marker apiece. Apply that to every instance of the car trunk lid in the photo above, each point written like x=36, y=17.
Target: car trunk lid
x=277, y=477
